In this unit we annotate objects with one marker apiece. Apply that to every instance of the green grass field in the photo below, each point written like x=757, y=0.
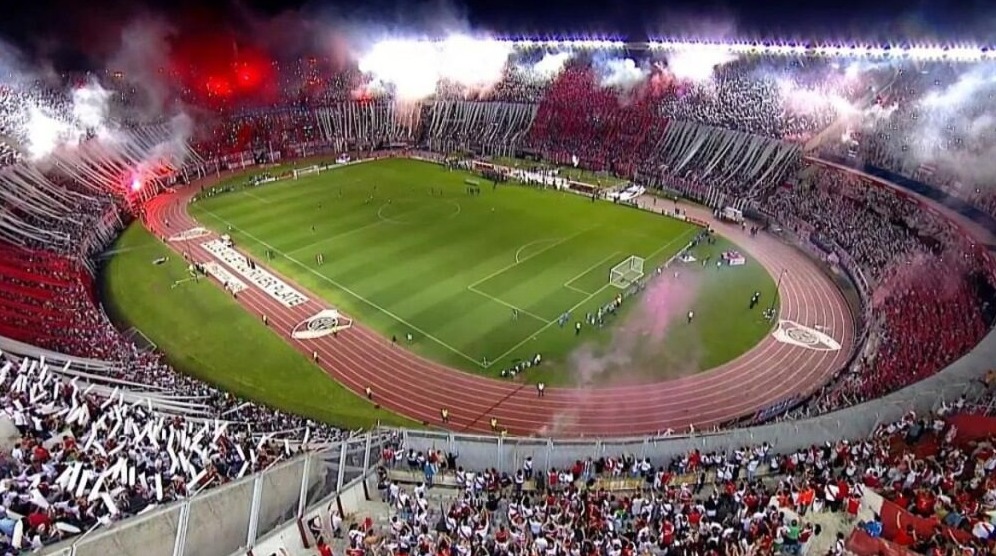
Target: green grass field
x=407, y=250
x=602, y=179
x=206, y=334
x=445, y=266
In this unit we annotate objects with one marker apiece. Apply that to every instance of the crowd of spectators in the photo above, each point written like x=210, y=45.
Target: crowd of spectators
x=779, y=98
x=15, y=106
x=844, y=210
x=927, y=286
x=925, y=302
x=83, y=459
x=927, y=314
x=50, y=301
x=580, y=122
x=933, y=125
x=752, y=500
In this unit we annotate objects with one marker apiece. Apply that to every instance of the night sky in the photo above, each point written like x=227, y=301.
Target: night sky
x=69, y=33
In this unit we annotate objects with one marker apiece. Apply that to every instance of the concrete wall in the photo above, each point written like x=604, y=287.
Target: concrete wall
x=960, y=378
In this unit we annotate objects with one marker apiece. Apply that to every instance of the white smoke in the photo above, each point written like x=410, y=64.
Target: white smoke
x=954, y=126
x=141, y=57
x=698, y=63
x=414, y=68
x=90, y=105
x=879, y=113
x=49, y=127
x=806, y=100
x=550, y=65
x=963, y=91
x=45, y=131
x=621, y=73
x=169, y=154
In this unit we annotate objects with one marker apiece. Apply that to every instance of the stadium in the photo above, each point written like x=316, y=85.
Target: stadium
x=484, y=294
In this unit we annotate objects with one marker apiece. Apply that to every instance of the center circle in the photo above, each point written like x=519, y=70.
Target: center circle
x=417, y=211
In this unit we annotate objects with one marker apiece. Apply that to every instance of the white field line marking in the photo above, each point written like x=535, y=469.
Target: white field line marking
x=519, y=251
x=583, y=301
x=519, y=261
x=579, y=290
x=568, y=283
x=257, y=197
x=341, y=235
x=348, y=291
x=670, y=243
x=509, y=305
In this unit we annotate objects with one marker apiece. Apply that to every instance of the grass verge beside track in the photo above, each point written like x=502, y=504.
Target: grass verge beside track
x=206, y=334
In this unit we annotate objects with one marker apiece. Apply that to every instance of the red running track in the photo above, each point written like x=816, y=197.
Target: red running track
x=418, y=388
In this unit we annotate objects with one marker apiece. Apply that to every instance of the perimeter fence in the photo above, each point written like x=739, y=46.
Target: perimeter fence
x=962, y=378
x=232, y=517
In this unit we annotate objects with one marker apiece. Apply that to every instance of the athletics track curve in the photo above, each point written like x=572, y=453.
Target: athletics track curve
x=418, y=388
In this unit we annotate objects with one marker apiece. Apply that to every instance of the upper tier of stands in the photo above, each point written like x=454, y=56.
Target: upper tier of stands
x=47, y=299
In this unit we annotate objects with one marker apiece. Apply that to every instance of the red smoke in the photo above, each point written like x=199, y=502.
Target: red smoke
x=219, y=68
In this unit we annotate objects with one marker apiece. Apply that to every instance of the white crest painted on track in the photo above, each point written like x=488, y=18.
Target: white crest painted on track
x=191, y=234
x=793, y=333
x=326, y=322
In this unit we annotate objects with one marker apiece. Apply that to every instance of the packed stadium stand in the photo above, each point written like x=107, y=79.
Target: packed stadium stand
x=106, y=429
x=749, y=500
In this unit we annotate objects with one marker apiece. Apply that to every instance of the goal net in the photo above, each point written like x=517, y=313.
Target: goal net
x=301, y=172
x=625, y=273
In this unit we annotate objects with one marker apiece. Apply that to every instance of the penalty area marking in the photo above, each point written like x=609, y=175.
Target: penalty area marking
x=568, y=283
x=578, y=304
x=518, y=252
x=509, y=305
x=519, y=260
x=347, y=290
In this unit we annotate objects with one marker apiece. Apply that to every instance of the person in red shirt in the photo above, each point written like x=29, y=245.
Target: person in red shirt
x=37, y=519
x=923, y=503
x=324, y=549
x=905, y=537
x=40, y=454
x=853, y=505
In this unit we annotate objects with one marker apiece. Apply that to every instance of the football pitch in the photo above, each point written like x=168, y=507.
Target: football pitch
x=478, y=280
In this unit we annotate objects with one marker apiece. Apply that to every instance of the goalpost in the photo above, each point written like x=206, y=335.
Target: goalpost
x=624, y=274
x=307, y=171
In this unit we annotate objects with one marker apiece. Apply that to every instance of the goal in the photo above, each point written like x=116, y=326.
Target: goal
x=300, y=172
x=625, y=273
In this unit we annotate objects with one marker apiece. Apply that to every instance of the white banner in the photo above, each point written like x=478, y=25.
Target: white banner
x=257, y=275
x=227, y=279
